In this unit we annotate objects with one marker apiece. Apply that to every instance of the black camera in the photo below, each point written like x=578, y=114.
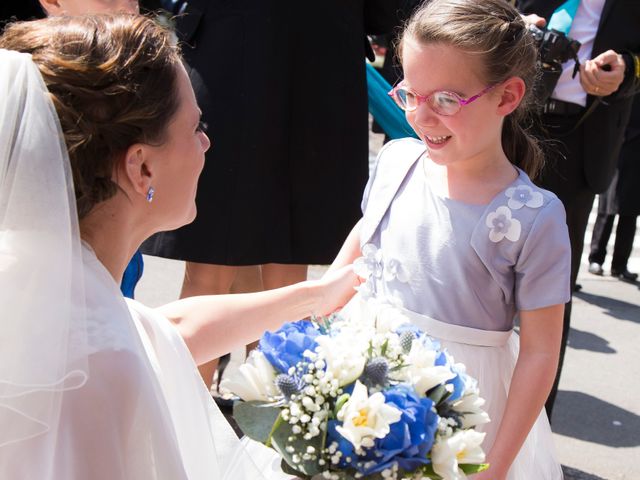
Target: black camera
x=554, y=49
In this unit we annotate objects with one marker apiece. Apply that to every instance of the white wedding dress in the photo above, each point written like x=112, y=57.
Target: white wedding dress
x=91, y=386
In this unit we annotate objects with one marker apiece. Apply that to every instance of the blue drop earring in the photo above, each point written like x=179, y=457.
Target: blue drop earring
x=150, y=193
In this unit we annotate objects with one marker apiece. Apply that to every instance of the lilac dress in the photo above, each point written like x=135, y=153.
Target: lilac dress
x=463, y=271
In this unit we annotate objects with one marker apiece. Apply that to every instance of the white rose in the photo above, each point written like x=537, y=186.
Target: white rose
x=253, y=380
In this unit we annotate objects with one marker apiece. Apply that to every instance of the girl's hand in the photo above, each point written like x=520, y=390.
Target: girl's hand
x=335, y=289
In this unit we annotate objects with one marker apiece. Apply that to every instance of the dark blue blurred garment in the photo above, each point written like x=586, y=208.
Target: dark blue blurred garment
x=132, y=275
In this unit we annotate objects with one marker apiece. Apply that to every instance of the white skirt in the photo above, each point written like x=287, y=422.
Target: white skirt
x=490, y=357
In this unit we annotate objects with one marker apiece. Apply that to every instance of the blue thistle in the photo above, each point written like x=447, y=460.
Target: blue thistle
x=406, y=339
x=375, y=371
x=289, y=385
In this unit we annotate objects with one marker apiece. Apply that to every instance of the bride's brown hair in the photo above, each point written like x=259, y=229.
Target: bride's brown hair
x=113, y=82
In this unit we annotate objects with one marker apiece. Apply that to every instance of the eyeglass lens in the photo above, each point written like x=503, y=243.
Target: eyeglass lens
x=441, y=102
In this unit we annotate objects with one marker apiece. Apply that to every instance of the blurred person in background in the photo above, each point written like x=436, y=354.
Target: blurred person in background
x=620, y=199
x=285, y=97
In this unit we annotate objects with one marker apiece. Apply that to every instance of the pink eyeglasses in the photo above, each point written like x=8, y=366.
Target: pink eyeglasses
x=441, y=102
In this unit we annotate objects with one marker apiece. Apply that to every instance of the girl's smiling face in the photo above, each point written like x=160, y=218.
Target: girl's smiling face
x=474, y=132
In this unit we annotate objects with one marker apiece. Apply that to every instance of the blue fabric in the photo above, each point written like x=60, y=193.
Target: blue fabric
x=562, y=17
x=132, y=275
x=384, y=109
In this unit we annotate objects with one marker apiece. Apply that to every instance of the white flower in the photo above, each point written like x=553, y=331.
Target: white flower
x=462, y=447
x=389, y=318
x=254, y=379
x=523, y=195
x=365, y=418
x=470, y=404
x=421, y=370
x=344, y=354
x=393, y=270
x=370, y=264
x=502, y=225
x=366, y=290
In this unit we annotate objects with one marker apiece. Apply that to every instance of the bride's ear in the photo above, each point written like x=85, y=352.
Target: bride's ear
x=51, y=7
x=137, y=169
x=512, y=93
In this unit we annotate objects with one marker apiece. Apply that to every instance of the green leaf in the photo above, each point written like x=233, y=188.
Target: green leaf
x=438, y=394
x=255, y=419
x=286, y=468
x=384, y=348
x=342, y=399
x=469, y=468
x=280, y=440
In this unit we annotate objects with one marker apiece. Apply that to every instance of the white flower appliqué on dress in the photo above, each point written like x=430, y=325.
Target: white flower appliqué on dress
x=503, y=225
x=373, y=267
x=523, y=195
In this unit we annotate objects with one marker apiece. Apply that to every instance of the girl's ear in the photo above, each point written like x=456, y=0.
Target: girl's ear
x=513, y=90
x=136, y=168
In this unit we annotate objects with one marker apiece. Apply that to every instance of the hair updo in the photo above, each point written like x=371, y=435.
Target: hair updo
x=113, y=81
x=496, y=32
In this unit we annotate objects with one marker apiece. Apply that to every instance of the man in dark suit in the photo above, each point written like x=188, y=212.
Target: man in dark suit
x=583, y=150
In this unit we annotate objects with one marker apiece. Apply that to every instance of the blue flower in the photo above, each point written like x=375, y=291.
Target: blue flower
x=284, y=348
x=458, y=382
x=408, y=442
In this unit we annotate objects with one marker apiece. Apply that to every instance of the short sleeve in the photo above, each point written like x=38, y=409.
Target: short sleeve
x=543, y=268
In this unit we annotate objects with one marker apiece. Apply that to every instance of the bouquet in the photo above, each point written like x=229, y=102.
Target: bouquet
x=362, y=393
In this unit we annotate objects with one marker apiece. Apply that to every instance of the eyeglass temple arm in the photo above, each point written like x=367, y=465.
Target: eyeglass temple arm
x=475, y=97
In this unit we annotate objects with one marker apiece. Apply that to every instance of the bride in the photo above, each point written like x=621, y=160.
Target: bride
x=101, y=146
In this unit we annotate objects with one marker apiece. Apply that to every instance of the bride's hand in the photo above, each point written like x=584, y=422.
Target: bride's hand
x=336, y=288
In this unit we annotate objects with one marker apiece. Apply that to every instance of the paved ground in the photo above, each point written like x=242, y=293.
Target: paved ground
x=597, y=415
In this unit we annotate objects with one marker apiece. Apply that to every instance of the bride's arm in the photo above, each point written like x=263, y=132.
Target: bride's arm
x=213, y=325
x=350, y=249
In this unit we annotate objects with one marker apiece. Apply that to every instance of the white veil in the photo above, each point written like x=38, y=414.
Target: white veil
x=90, y=387
x=40, y=262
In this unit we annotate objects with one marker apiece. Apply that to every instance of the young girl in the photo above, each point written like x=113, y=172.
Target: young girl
x=480, y=244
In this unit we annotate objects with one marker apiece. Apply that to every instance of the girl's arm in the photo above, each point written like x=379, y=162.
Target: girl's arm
x=535, y=370
x=350, y=249
x=213, y=325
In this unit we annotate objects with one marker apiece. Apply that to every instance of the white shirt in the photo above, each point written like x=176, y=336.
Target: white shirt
x=583, y=29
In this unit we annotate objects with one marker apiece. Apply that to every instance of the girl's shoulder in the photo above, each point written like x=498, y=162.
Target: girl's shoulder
x=522, y=237
x=518, y=217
